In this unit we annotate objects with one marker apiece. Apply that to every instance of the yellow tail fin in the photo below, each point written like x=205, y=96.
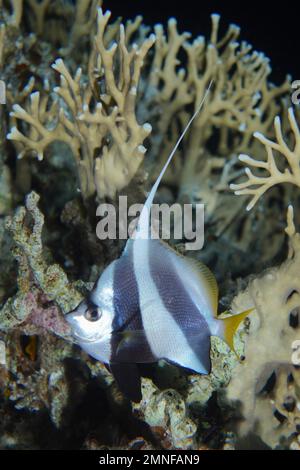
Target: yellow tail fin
x=231, y=325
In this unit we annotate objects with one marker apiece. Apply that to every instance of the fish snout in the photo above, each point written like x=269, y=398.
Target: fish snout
x=83, y=331
x=75, y=316
x=72, y=318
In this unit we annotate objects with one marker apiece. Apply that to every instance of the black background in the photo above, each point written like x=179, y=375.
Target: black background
x=271, y=27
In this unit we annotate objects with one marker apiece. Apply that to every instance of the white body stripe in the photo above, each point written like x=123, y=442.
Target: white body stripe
x=164, y=335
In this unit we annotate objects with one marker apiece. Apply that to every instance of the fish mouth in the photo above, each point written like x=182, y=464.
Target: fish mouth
x=76, y=332
x=84, y=339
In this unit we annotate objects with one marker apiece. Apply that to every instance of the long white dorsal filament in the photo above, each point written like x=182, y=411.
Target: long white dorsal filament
x=143, y=227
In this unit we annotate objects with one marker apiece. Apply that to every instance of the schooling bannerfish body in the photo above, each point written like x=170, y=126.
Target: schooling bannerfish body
x=150, y=304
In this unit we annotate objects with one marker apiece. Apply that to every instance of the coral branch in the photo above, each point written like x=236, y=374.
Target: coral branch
x=17, y=11
x=39, y=8
x=256, y=186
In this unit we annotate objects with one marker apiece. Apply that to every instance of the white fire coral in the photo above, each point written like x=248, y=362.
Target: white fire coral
x=99, y=124
x=103, y=102
x=257, y=185
x=242, y=101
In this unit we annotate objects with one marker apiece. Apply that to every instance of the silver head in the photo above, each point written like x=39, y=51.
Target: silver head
x=92, y=320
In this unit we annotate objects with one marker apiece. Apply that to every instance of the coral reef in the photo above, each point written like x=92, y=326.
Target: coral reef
x=108, y=156
x=100, y=103
x=166, y=410
x=267, y=383
x=87, y=117
x=50, y=281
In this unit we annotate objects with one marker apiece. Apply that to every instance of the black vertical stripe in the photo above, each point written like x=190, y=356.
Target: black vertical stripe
x=178, y=302
x=126, y=294
x=127, y=314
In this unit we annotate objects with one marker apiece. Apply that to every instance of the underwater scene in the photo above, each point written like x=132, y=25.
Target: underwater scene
x=149, y=228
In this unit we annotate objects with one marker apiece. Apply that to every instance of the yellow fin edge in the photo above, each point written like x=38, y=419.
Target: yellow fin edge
x=231, y=325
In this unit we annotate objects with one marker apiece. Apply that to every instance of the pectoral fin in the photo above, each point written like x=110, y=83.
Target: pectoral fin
x=133, y=347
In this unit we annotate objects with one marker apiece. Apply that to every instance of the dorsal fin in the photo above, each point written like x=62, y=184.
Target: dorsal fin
x=208, y=279
x=143, y=226
x=202, y=272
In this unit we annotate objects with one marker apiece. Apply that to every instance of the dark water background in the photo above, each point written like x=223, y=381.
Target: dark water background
x=271, y=27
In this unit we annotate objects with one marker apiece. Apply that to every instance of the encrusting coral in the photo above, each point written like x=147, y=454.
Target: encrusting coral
x=50, y=283
x=267, y=383
x=101, y=104
x=167, y=410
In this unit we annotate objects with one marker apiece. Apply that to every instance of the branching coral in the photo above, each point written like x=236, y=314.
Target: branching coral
x=83, y=24
x=114, y=88
x=37, y=10
x=102, y=131
x=242, y=101
x=257, y=185
x=267, y=384
x=17, y=11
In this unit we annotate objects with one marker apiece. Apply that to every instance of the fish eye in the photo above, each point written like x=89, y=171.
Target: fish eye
x=92, y=314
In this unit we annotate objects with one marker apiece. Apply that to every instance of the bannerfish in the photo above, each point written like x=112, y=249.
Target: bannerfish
x=150, y=304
